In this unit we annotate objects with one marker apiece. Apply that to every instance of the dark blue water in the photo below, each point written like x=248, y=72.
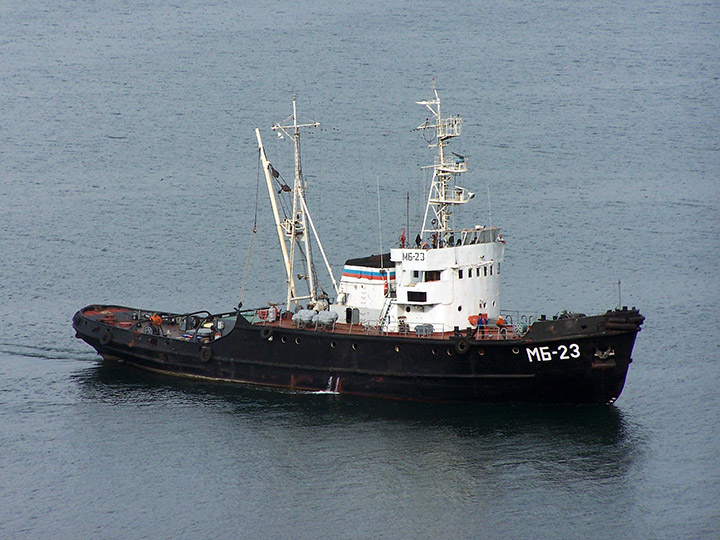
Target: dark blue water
x=128, y=174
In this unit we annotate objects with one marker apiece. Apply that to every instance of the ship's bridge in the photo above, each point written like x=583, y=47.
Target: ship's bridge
x=478, y=235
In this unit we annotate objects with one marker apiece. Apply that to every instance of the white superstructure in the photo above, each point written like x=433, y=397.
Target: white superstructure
x=450, y=275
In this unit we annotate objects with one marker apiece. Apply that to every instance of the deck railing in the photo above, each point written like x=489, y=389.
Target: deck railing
x=516, y=324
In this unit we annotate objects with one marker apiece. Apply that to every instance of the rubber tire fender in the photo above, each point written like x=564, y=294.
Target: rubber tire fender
x=266, y=332
x=462, y=346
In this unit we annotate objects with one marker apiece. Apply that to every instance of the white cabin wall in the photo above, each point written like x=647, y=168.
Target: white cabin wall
x=449, y=301
x=368, y=296
x=461, y=297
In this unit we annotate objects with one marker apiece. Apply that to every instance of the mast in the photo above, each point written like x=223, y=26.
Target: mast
x=444, y=193
x=296, y=226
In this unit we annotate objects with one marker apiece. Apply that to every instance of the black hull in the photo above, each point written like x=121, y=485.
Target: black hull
x=578, y=360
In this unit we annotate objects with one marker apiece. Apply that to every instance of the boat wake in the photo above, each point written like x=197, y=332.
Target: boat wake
x=333, y=387
x=44, y=352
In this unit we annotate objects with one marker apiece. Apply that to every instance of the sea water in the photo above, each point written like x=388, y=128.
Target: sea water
x=129, y=174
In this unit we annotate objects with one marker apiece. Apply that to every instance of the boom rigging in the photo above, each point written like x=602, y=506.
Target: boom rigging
x=294, y=229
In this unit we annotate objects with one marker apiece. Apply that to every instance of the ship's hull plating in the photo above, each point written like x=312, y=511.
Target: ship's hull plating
x=577, y=361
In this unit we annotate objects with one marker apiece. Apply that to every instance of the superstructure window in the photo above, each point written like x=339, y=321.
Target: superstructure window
x=416, y=296
x=460, y=274
x=432, y=275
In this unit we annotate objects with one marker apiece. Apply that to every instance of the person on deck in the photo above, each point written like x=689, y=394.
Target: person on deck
x=500, y=323
x=481, y=324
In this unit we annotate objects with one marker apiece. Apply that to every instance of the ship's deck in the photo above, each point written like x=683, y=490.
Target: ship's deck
x=203, y=326
x=489, y=333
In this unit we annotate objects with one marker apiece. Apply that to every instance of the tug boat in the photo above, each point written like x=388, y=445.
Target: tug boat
x=420, y=322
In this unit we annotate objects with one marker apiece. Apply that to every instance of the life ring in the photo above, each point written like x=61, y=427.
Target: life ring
x=205, y=354
x=106, y=338
x=462, y=345
x=266, y=332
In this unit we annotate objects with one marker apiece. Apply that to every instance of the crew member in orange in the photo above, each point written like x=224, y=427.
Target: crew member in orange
x=500, y=323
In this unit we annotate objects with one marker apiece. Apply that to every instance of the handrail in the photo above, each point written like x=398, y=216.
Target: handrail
x=521, y=317
x=495, y=333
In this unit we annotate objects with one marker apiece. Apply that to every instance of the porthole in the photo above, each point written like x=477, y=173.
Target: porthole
x=297, y=341
x=397, y=349
x=354, y=346
x=407, y=309
x=481, y=352
x=434, y=350
x=515, y=350
x=333, y=344
x=459, y=308
x=283, y=339
x=450, y=351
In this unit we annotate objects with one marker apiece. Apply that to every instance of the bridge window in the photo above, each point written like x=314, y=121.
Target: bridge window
x=460, y=274
x=432, y=275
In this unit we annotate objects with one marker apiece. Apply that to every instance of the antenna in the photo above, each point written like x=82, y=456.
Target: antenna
x=377, y=180
x=407, y=212
x=487, y=183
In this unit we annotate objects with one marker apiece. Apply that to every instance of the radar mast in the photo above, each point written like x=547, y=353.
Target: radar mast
x=444, y=193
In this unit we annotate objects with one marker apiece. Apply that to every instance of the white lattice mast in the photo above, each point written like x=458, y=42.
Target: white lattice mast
x=444, y=194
